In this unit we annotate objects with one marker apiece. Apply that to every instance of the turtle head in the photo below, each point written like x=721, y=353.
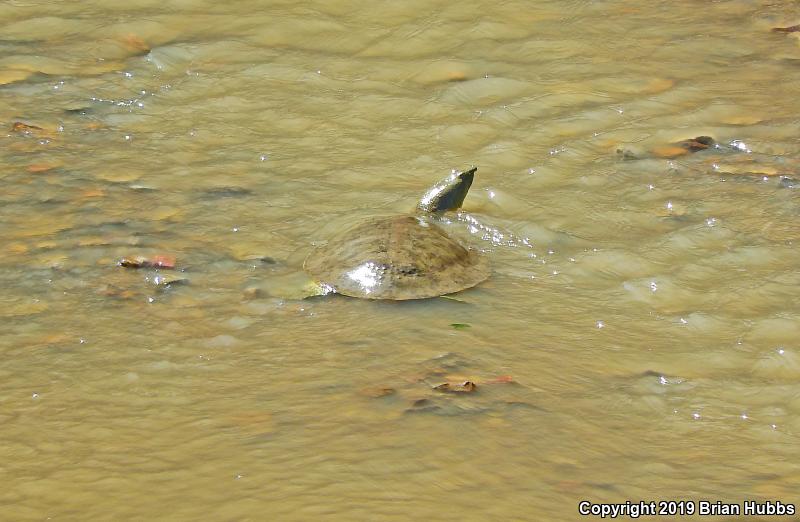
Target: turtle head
x=449, y=193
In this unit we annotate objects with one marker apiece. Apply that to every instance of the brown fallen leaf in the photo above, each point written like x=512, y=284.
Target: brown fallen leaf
x=684, y=147
x=33, y=131
x=162, y=261
x=696, y=144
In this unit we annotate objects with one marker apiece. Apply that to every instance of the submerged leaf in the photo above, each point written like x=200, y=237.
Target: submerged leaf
x=460, y=326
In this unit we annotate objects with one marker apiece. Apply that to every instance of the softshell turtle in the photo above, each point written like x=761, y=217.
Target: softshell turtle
x=402, y=257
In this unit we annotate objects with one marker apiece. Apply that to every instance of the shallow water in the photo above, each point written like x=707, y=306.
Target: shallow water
x=643, y=304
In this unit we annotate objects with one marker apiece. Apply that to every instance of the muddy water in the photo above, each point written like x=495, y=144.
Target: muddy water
x=638, y=338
